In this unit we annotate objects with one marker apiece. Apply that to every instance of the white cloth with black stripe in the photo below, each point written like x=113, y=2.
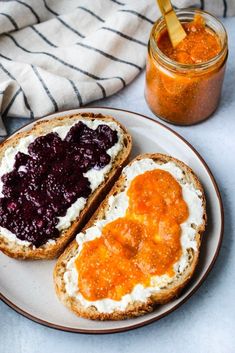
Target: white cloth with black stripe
x=57, y=54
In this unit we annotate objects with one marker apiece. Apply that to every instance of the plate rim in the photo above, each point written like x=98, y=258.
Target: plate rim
x=188, y=296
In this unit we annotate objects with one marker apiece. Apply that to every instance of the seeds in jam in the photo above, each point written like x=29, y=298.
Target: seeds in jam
x=46, y=182
x=144, y=243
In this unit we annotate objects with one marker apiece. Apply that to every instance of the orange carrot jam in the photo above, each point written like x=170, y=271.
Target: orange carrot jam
x=144, y=243
x=200, y=44
x=186, y=89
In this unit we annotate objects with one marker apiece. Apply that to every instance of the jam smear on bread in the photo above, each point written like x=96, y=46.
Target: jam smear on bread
x=45, y=182
x=142, y=244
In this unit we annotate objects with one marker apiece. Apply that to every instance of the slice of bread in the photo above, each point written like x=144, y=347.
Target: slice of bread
x=166, y=292
x=52, y=250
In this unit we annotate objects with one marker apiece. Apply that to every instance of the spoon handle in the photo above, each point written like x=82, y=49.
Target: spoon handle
x=174, y=27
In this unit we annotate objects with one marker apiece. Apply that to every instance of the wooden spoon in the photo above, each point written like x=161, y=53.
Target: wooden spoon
x=174, y=27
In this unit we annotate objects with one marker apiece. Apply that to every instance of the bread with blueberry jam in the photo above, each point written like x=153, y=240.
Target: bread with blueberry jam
x=45, y=171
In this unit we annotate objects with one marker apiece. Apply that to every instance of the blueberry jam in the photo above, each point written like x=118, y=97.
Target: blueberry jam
x=47, y=181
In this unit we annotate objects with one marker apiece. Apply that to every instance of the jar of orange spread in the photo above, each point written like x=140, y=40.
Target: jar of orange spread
x=183, y=84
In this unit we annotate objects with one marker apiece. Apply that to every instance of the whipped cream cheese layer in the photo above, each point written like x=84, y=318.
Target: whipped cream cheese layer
x=117, y=206
x=95, y=177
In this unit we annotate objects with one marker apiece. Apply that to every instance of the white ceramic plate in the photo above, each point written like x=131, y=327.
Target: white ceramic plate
x=27, y=286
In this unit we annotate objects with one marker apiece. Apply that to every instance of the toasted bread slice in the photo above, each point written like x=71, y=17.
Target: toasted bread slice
x=52, y=250
x=167, y=291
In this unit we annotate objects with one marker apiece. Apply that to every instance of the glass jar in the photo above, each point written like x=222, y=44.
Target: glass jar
x=184, y=94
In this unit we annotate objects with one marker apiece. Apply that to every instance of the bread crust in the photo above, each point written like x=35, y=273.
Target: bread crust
x=136, y=308
x=50, y=251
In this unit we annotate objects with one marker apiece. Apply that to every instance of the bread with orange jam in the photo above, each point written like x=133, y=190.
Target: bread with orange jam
x=141, y=246
x=41, y=189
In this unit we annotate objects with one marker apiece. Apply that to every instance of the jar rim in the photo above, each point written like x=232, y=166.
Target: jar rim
x=183, y=66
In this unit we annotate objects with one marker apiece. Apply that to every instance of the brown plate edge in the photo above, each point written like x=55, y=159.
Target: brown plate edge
x=147, y=322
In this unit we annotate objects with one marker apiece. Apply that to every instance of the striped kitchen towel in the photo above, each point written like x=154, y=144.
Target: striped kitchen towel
x=61, y=54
